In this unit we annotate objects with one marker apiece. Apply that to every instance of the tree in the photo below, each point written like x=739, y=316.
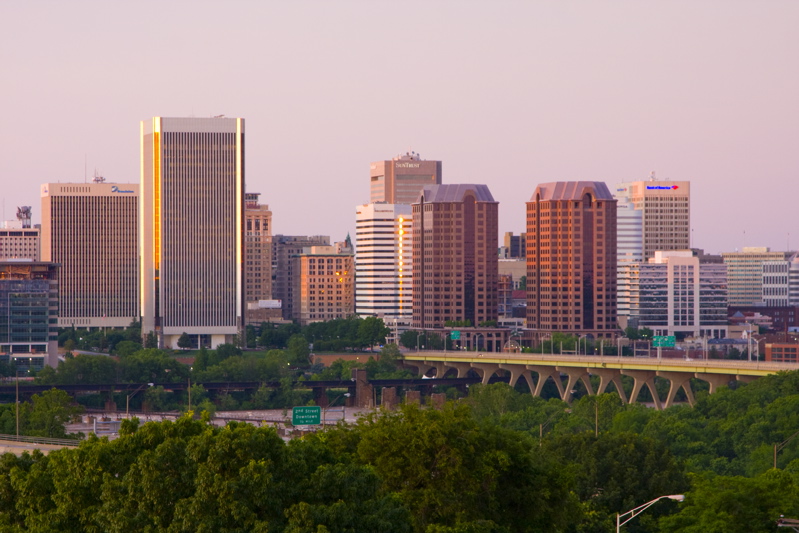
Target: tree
x=299, y=353
x=372, y=331
x=184, y=341
x=51, y=412
x=408, y=338
x=151, y=340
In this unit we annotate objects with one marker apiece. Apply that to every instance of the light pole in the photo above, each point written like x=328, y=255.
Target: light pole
x=419, y=336
x=131, y=395
x=324, y=411
x=641, y=508
x=778, y=447
x=477, y=341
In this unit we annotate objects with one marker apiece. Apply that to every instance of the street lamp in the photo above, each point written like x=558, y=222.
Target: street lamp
x=419, y=336
x=780, y=446
x=641, y=508
x=324, y=411
x=131, y=395
x=477, y=340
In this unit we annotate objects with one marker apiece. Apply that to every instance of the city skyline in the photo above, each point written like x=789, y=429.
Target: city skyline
x=510, y=95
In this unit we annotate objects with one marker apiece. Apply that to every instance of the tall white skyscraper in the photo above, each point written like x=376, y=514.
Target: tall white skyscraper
x=383, y=256
x=192, y=220
x=90, y=230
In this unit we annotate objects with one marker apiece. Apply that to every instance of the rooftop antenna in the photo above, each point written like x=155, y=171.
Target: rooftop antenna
x=84, y=168
x=652, y=176
x=97, y=177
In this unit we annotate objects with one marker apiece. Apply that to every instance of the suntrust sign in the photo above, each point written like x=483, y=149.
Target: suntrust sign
x=406, y=165
x=662, y=187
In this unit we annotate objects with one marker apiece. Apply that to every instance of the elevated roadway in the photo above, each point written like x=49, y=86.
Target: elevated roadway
x=609, y=369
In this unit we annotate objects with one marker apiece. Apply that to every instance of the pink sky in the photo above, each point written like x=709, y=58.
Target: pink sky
x=510, y=94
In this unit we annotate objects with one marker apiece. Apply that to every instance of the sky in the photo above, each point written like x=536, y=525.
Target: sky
x=506, y=93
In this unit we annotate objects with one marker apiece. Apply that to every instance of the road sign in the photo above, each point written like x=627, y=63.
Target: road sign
x=455, y=335
x=663, y=341
x=306, y=416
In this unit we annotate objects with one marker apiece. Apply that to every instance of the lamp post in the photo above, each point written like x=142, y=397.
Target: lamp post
x=131, y=395
x=477, y=341
x=419, y=336
x=324, y=411
x=641, y=508
x=780, y=446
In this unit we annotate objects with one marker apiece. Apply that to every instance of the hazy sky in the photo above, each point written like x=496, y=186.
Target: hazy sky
x=510, y=94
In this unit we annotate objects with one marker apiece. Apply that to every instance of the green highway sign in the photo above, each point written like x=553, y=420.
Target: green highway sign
x=306, y=416
x=455, y=335
x=663, y=341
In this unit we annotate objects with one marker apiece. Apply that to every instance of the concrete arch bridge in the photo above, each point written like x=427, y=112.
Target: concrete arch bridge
x=609, y=369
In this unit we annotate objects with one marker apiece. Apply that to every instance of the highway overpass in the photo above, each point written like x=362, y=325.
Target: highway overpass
x=565, y=371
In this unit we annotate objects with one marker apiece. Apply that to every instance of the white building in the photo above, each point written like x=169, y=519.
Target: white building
x=90, y=230
x=781, y=282
x=192, y=219
x=745, y=274
x=675, y=294
x=383, y=263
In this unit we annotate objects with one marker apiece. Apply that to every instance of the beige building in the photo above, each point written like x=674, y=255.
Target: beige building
x=192, y=221
x=90, y=230
x=284, y=269
x=400, y=180
x=326, y=283
x=745, y=273
x=653, y=215
x=18, y=240
x=258, y=262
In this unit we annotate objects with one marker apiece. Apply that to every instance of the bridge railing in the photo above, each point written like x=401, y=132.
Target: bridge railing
x=40, y=440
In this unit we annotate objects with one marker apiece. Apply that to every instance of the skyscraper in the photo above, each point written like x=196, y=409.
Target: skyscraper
x=192, y=219
x=324, y=283
x=571, y=258
x=400, y=180
x=90, y=230
x=663, y=210
x=383, y=262
x=454, y=255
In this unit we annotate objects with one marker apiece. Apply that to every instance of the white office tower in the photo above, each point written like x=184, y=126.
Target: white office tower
x=675, y=294
x=90, y=231
x=746, y=272
x=781, y=282
x=192, y=220
x=383, y=256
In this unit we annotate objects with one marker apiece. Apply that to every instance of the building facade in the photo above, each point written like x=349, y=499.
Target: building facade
x=515, y=245
x=571, y=258
x=384, y=262
x=192, y=220
x=29, y=314
x=18, y=240
x=91, y=231
x=745, y=273
x=400, y=180
x=675, y=294
x=284, y=273
x=455, y=275
x=325, y=284
x=662, y=211
x=258, y=262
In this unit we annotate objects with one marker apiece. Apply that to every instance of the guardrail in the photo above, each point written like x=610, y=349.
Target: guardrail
x=40, y=440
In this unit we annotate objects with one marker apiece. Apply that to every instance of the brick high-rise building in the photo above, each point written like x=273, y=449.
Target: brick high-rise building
x=455, y=237
x=400, y=180
x=571, y=258
x=192, y=221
